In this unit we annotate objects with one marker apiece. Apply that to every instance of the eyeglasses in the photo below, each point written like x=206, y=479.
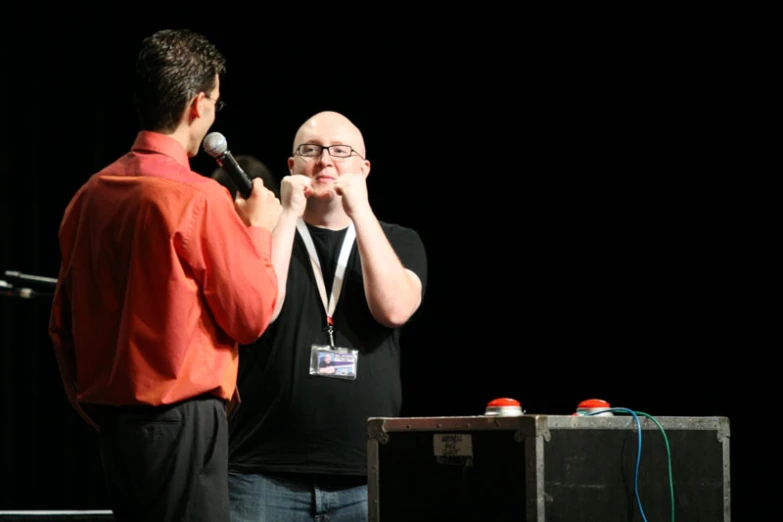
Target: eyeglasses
x=311, y=150
x=219, y=104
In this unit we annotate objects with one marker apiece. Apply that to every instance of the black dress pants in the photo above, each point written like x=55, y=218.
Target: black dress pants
x=167, y=463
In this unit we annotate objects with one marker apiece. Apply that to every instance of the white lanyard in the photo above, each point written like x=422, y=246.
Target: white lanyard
x=339, y=274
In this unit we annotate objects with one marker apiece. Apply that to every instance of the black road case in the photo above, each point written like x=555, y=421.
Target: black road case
x=551, y=468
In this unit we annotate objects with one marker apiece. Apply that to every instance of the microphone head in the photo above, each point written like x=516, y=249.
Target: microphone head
x=215, y=144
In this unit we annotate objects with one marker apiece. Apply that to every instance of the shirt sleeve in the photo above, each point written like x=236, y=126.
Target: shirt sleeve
x=60, y=332
x=232, y=265
x=409, y=247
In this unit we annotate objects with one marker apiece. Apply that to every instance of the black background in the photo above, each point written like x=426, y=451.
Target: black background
x=551, y=166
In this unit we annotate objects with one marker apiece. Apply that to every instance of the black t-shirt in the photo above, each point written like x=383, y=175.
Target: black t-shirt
x=291, y=421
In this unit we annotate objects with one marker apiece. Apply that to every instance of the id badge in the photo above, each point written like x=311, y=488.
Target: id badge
x=338, y=363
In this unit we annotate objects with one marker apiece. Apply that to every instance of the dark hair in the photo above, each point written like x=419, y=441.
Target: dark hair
x=254, y=168
x=172, y=66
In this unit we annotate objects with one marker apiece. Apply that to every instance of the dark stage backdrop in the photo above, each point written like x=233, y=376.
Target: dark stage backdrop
x=568, y=258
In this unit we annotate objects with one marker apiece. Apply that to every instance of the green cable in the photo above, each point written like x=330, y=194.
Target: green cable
x=668, y=454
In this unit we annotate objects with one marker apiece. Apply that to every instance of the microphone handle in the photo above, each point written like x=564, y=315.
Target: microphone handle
x=238, y=175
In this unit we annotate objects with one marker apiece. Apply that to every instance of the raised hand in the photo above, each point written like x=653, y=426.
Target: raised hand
x=294, y=191
x=353, y=189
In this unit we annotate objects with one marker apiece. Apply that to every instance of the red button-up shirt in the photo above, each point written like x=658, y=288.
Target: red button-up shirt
x=160, y=279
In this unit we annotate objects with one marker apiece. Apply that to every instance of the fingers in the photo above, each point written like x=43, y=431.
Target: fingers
x=299, y=182
x=255, y=184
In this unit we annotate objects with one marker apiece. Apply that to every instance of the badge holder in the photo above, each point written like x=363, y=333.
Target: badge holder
x=333, y=361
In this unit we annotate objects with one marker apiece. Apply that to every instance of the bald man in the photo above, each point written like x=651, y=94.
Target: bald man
x=347, y=284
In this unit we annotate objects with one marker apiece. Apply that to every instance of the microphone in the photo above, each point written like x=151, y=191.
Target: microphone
x=216, y=146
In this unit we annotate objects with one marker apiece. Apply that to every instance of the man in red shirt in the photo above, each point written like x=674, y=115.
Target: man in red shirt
x=162, y=276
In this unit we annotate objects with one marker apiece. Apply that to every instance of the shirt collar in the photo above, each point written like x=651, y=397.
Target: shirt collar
x=155, y=142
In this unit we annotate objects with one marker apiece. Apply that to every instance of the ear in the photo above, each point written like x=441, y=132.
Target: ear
x=290, y=165
x=366, y=168
x=196, y=106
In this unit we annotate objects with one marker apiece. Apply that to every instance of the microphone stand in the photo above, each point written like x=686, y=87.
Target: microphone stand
x=26, y=292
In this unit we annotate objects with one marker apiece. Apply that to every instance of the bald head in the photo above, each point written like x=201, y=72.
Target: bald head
x=329, y=128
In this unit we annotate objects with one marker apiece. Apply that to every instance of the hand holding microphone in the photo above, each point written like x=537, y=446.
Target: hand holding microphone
x=261, y=209
x=255, y=204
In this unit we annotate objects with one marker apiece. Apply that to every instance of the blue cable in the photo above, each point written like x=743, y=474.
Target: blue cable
x=638, y=453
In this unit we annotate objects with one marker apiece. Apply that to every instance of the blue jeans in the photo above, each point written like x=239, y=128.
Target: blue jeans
x=288, y=498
